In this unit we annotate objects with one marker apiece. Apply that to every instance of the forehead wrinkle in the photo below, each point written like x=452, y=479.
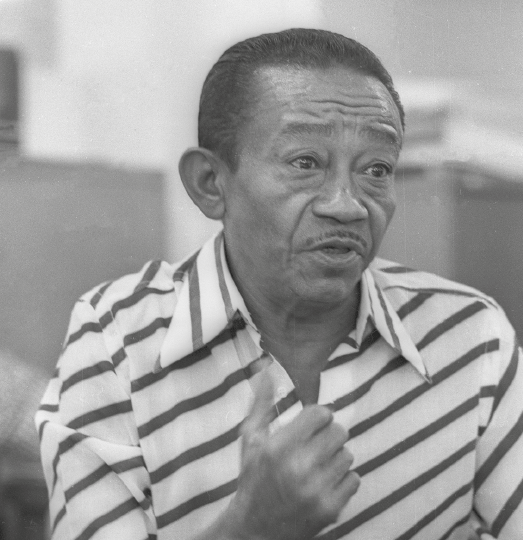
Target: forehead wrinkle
x=351, y=100
x=307, y=128
x=365, y=104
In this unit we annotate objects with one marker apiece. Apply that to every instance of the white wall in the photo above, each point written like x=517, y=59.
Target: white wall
x=118, y=81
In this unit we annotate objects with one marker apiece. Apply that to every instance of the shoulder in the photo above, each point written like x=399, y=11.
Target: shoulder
x=429, y=300
x=136, y=297
x=134, y=303
x=395, y=279
x=155, y=277
x=122, y=323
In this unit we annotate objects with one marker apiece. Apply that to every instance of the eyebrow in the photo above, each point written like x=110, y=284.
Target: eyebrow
x=381, y=134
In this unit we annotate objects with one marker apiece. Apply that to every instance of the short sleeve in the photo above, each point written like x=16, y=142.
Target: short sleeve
x=498, y=482
x=98, y=484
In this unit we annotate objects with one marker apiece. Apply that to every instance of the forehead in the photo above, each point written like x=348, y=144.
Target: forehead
x=292, y=100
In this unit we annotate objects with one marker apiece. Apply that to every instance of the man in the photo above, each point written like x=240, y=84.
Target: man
x=282, y=383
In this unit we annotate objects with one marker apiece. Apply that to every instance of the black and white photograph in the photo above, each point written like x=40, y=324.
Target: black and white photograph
x=260, y=269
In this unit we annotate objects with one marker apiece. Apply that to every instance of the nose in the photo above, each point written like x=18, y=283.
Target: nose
x=339, y=200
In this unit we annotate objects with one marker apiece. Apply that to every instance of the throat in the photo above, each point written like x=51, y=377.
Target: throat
x=307, y=387
x=304, y=366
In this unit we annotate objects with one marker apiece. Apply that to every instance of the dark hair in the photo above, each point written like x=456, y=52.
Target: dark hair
x=227, y=90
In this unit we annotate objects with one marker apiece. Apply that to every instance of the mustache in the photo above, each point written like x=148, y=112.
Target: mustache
x=336, y=234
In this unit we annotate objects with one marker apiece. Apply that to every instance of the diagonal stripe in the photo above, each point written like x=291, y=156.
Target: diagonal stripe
x=410, y=396
x=397, y=270
x=48, y=407
x=388, y=319
x=84, y=329
x=397, y=495
x=59, y=518
x=433, y=334
x=372, y=338
x=197, y=452
x=284, y=404
x=418, y=437
x=87, y=373
x=189, y=360
x=508, y=509
x=109, y=517
x=149, y=330
x=148, y=275
x=408, y=308
x=63, y=447
x=487, y=391
x=506, y=379
x=195, y=402
x=499, y=452
x=229, y=310
x=41, y=429
x=433, y=514
x=216, y=444
x=200, y=500
x=458, y=523
x=118, y=357
x=351, y=342
x=359, y=392
x=195, y=309
x=450, y=323
x=128, y=464
x=184, y=267
x=84, y=483
x=97, y=296
x=131, y=300
x=452, y=292
x=413, y=304
x=103, y=413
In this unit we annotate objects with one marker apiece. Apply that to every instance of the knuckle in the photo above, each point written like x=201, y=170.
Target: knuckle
x=271, y=451
x=296, y=467
x=339, y=433
x=353, y=483
x=346, y=457
x=319, y=413
x=328, y=509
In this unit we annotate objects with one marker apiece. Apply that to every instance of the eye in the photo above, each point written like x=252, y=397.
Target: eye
x=379, y=170
x=305, y=163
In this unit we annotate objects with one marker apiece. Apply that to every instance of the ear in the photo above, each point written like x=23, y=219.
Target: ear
x=202, y=174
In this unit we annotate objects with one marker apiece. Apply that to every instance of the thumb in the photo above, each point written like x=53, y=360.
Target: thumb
x=262, y=411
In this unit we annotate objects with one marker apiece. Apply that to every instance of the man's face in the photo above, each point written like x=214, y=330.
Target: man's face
x=313, y=192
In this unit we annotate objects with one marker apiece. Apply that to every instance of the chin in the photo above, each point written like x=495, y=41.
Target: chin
x=327, y=292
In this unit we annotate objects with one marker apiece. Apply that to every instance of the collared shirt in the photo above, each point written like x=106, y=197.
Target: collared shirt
x=140, y=426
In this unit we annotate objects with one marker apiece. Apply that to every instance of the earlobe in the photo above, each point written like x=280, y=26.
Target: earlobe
x=201, y=172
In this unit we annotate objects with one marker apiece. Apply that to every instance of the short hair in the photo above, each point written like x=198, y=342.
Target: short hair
x=227, y=91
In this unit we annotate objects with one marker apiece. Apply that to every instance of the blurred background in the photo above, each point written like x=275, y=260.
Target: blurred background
x=98, y=99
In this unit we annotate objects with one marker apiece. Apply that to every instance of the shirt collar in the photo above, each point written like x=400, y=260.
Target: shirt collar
x=208, y=301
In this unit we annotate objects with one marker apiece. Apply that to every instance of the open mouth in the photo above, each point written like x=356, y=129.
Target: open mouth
x=335, y=250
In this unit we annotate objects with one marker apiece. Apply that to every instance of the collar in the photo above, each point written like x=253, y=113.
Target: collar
x=208, y=301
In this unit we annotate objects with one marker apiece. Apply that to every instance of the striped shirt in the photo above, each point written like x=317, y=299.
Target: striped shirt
x=139, y=427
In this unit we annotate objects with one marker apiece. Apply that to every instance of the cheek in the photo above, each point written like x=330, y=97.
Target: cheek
x=380, y=213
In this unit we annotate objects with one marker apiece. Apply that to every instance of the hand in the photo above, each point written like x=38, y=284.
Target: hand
x=293, y=482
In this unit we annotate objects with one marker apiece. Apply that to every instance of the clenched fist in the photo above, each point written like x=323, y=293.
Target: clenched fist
x=293, y=482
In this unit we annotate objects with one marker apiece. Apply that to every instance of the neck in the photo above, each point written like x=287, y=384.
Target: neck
x=300, y=333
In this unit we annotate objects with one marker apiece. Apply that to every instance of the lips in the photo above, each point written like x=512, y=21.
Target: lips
x=339, y=246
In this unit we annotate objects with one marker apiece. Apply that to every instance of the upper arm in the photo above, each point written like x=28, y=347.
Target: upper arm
x=98, y=484
x=499, y=468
